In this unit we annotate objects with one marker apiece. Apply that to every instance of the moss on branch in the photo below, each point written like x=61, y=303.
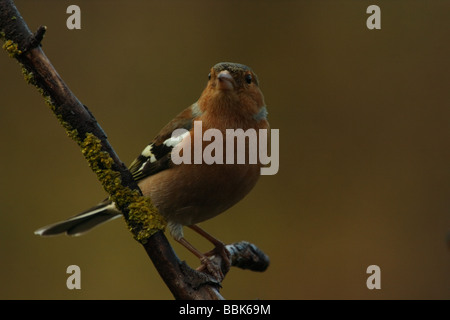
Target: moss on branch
x=142, y=217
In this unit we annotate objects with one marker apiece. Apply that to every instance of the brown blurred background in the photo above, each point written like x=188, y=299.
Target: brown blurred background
x=364, y=120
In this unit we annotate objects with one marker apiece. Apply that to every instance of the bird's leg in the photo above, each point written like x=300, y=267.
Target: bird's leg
x=219, y=247
x=214, y=269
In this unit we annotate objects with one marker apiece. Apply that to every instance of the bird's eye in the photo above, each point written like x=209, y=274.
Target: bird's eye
x=209, y=76
x=248, y=78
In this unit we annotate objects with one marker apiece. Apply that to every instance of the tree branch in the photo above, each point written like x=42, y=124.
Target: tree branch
x=142, y=218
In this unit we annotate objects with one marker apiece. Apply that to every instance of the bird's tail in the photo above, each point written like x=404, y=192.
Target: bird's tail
x=83, y=222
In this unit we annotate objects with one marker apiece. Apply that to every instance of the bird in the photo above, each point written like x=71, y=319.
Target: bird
x=186, y=194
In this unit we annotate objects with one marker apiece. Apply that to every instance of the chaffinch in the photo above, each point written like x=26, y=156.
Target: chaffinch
x=188, y=193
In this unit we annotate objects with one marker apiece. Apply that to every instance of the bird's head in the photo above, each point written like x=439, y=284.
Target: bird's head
x=233, y=84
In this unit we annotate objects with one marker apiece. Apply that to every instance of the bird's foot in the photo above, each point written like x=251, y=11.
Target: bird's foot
x=216, y=262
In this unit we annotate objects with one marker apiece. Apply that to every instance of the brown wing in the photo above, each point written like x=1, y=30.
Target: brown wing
x=156, y=156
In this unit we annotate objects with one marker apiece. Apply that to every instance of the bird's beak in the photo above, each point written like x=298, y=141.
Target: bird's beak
x=225, y=81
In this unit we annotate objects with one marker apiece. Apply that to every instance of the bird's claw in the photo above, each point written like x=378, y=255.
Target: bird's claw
x=216, y=262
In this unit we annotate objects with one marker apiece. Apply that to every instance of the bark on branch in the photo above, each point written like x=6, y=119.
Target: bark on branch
x=141, y=216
